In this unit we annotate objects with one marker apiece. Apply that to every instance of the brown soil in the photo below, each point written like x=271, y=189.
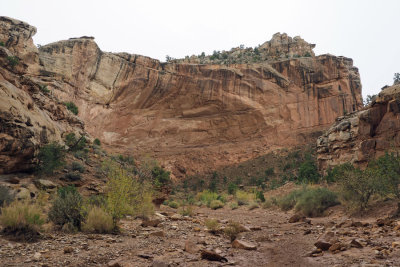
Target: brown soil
x=278, y=242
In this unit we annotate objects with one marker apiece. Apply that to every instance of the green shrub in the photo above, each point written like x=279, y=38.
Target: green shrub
x=97, y=142
x=173, y=204
x=22, y=218
x=213, y=182
x=67, y=208
x=308, y=172
x=243, y=198
x=212, y=225
x=216, y=204
x=161, y=177
x=313, y=202
x=44, y=89
x=76, y=166
x=75, y=144
x=72, y=107
x=269, y=203
x=98, y=221
x=51, y=157
x=73, y=176
x=2, y=44
x=260, y=196
x=288, y=201
x=186, y=211
x=233, y=230
x=387, y=169
x=13, y=61
x=6, y=197
x=206, y=197
x=234, y=205
x=232, y=188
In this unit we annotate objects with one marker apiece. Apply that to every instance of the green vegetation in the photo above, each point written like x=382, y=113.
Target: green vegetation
x=308, y=172
x=232, y=188
x=98, y=221
x=51, y=157
x=396, y=78
x=72, y=107
x=13, y=61
x=75, y=144
x=67, y=208
x=173, y=204
x=21, y=218
x=212, y=225
x=97, y=142
x=216, y=204
x=2, y=44
x=233, y=230
x=160, y=177
x=44, y=89
x=243, y=197
x=76, y=166
x=309, y=201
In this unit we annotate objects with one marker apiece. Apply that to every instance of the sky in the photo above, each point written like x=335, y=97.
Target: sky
x=364, y=30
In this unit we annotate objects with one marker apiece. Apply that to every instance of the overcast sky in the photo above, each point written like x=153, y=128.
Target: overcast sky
x=365, y=30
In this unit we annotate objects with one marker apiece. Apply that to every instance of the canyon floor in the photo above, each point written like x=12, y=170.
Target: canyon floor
x=178, y=241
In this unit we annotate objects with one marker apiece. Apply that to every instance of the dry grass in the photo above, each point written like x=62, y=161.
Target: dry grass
x=98, y=221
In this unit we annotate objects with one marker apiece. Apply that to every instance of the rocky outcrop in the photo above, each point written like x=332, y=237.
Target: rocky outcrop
x=29, y=116
x=363, y=135
x=193, y=117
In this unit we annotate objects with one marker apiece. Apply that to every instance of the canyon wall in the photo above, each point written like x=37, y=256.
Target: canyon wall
x=363, y=135
x=191, y=117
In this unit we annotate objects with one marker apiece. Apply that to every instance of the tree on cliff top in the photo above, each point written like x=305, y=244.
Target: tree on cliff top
x=396, y=78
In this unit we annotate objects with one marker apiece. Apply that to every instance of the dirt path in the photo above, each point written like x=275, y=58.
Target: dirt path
x=278, y=242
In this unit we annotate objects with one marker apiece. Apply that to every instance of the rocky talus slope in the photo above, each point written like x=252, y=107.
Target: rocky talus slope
x=190, y=116
x=363, y=135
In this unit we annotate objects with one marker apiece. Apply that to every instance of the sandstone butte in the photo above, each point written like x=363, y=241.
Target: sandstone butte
x=190, y=116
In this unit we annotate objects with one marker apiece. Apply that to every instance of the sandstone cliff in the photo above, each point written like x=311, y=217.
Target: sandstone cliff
x=29, y=117
x=365, y=134
x=193, y=117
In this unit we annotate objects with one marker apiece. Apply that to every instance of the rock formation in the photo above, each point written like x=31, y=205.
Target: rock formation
x=195, y=117
x=29, y=117
x=363, y=135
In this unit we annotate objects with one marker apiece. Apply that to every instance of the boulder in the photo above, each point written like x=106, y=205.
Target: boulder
x=243, y=245
x=44, y=184
x=212, y=256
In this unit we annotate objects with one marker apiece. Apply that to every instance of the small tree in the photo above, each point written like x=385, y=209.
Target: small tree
x=51, y=157
x=396, y=78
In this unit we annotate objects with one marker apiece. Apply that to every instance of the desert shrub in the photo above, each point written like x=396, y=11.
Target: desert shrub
x=288, y=201
x=95, y=200
x=269, y=203
x=308, y=172
x=269, y=172
x=1, y=43
x=6, y=197
x=67, y=208
x=75, y=144
x=253, y=205
x=76, y=166
x=125, y=195
x=232, y=230
x=186, y=211
x=161, y=177
x=216, y=204
x=98, y=221
x=213, y=182
x=387, y=169
x=13, y=61
x=232, y=188
x=44, y=89
x=260, y=196
x=51, y=157
x=234, y=205
x=72, y=107
x=356, y=187
x=22, y=218
x=173, y=204
x=314, y=201
x=206, y=197
x=97, y=142
x=212, y=225
x=243, y=197
x=73, y=176
x=396, y=78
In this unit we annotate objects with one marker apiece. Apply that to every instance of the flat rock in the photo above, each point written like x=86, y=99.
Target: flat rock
x=114, y=263
x=153, y=223
x=243, y=245
x=212, y=256
x=191, y=247
x=44, y=184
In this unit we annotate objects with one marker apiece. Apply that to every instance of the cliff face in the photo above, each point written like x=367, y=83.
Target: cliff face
x=193, y=117
x=29, y=117
x=365, y=134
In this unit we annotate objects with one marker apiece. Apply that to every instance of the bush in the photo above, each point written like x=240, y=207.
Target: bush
x=233, y=230
x=98, y=221
x=13, y=61
x=44, y=89
x=289, y=201
x=6, y=197
x=22, y=219
x=76, y=166
x=51, y=157
x=213, y=182
x=260, y=196
x=97, y=142
x=75, y=144
x=253, y=206
x=212, y=225
x=2, y=44
x=234, y=205
x=313, y=202
x=160, y=177
x=243, y=198
x=72, y=107
x=173, y=204
x=216, y=204
x=67, y=208
x=73, y=176
x=186, y=211
x=232, y=188
x=206, y=197
x=308, y=172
